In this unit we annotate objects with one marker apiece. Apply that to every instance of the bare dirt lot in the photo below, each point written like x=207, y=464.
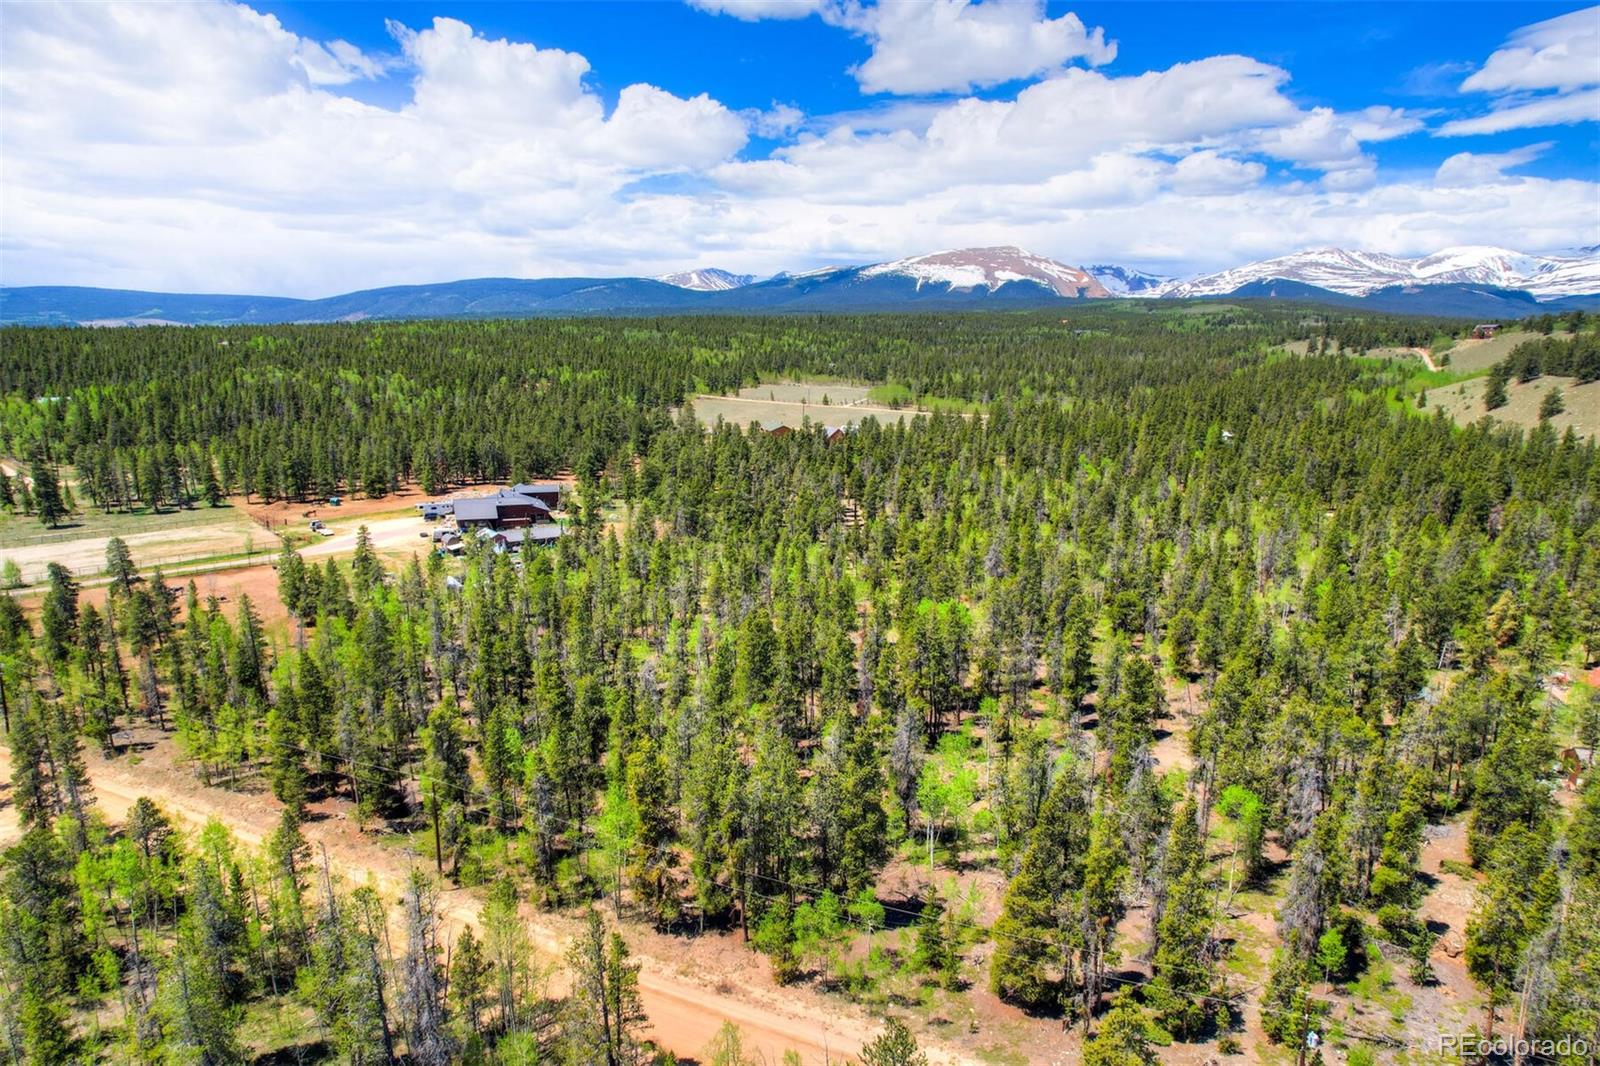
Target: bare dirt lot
x=229, y=586
x=1453, y=1000
x=1398, y=353
x=791, y=403
x=154, y=540
x=403, y=530
x=808, y=392
x=280, y=513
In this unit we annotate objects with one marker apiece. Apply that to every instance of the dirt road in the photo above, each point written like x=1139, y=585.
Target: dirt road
x=385, y=533
x=685, y=1009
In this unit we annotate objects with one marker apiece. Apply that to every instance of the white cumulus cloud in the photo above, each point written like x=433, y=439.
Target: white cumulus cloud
x=1484, y=168
x=204, y=146
x=1560, y=53
x=1207, y=172
x=210, y=132
x=1230, y=105
x=1543, y=76
x=938, y=46
x=755, y=10
x=929, y=46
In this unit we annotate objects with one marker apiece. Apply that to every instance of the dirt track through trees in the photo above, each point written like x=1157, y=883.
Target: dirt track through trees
x=685, y=1010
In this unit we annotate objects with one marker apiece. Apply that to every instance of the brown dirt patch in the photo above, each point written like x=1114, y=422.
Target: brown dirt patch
x=1185, y=701
x=280, y=513
x=259, y=581
x=1449, y=904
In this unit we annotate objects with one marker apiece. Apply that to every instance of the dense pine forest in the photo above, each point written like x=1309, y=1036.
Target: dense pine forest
x=1148, y=644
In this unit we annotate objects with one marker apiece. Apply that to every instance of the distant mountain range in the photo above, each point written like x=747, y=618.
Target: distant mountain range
x=1544, y=277
x=1487, y=282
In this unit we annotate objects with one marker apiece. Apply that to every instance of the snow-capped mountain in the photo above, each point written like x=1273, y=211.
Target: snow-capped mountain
x=1357, y=273
x=1126, y=281
x=990, y=268
x=1575, y=273
x=1334, y=269
x=708, y=280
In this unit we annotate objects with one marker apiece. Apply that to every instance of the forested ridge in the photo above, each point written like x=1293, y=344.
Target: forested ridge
x=765, y=671
x=299, y=411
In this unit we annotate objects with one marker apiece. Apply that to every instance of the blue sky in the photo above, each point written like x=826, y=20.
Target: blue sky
x=1345, y=55
x=309, y=148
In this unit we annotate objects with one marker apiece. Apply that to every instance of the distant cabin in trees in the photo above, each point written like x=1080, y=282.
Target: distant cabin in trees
x=1484, y=330
x=1574, y=761
x=830, y=434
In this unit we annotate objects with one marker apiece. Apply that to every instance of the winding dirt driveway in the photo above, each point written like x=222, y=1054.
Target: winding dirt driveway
x=685, y=1008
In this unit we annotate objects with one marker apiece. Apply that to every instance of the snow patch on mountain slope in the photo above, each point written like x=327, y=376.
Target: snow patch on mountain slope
x=709, y=279
x=1126, y=281
x=990, y=268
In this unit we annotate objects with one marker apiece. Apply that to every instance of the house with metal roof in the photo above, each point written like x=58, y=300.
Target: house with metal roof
x=546, y=492
x=538, y=535
x=503, y=510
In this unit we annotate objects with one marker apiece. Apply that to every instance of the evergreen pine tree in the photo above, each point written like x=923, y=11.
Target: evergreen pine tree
x=47, y=500
x=1028, y=956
